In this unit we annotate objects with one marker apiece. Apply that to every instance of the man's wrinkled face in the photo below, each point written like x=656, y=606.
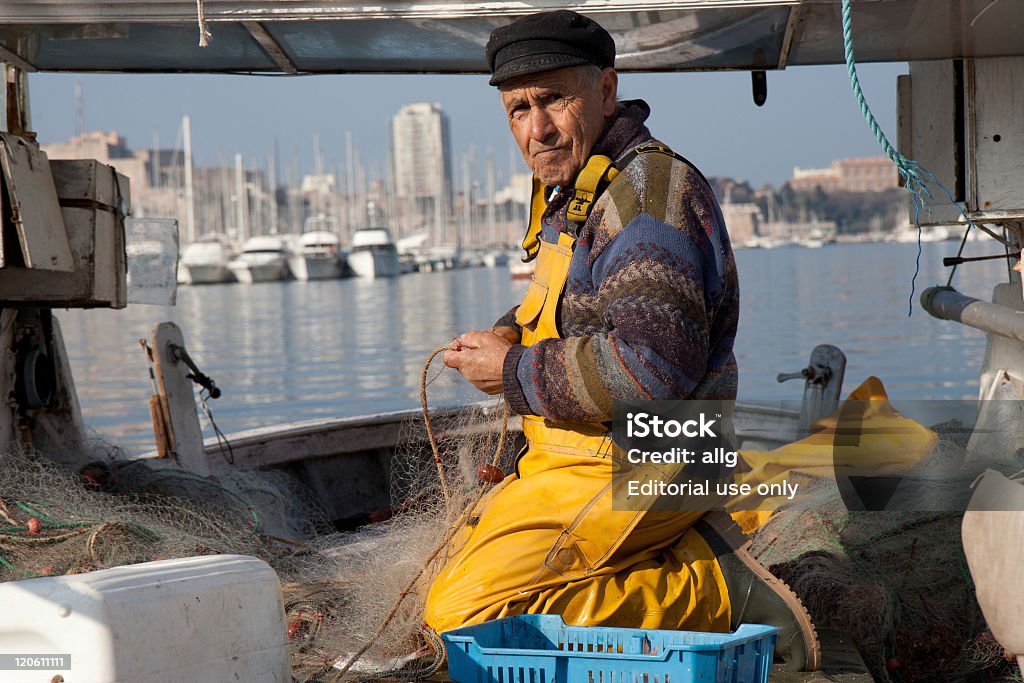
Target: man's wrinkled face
x=557, y=117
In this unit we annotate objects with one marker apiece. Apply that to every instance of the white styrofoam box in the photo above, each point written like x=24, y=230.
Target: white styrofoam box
x=208, y=619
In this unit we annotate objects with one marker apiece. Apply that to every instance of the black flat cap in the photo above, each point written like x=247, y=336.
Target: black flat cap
x=547, y=41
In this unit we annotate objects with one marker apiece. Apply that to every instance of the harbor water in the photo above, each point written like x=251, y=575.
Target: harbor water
x=290, y=351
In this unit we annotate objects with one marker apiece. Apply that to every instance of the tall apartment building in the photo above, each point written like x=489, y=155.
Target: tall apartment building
x=421, y=170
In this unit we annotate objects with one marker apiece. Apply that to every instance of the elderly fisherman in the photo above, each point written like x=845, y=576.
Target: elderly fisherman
x=635, y=296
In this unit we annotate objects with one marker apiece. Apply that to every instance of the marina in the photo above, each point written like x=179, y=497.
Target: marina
x=297, y=351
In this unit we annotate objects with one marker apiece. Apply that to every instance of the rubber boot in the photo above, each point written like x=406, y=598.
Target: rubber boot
x=758, y=597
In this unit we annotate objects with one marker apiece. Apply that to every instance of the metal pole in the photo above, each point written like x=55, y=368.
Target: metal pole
x=948, y=304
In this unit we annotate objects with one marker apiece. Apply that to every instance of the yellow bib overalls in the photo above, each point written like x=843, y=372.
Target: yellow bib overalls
x=546, y=540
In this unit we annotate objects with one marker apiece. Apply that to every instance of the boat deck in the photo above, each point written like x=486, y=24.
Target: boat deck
x=841, y=663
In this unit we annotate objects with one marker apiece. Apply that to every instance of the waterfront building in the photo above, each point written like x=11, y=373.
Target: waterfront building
x=420, y=154
x=157, y=180
x=864, y=174
x=149, y=172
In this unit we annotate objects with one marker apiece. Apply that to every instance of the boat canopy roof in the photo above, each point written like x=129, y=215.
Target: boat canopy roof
x=370, y=237
x=319, y=238
x=447, y=36
x=264, y=243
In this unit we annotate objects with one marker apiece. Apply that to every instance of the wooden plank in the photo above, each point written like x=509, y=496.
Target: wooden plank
x=282, y=444
x=278, y=451
x=83, y=287
x=15, y=61
x=8, y=379
x=794, y=29
x=999, y=133
x=267, y=42
x=88, y=180
x=177, y=394
x=156, y=416
x=34, y=206
x=929, y=133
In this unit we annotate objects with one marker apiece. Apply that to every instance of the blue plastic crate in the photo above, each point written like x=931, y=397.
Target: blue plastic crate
x=540, y=648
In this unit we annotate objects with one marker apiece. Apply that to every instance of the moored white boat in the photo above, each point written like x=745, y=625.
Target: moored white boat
x=520, y=270
x=373, y=253
x=811, y=243
x=263, y=259
x=496, y=259
x=206, y=262
x=317, y=257
x=931, y=233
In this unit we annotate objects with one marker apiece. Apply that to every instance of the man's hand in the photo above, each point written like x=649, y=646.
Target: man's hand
x=480, y=359
x=508, y=333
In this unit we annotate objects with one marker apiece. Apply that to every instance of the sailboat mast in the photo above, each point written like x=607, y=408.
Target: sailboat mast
x=272, y=182
x=350, y=173
x=190, y=204
x=492, y=230
x=294, y=211
x=241, y=200
x=467, y=206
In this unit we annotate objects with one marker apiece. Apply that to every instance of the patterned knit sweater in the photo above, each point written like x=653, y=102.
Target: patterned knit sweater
x=651, y=303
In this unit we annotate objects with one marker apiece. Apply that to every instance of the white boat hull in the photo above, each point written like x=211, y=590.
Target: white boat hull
x=248, y=273
x=208, y=274
x=496, y=259
x=521, y=271
x=315, y=267
x=374, y=263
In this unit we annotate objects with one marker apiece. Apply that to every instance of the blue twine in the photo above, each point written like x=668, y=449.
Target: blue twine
x=915, y=176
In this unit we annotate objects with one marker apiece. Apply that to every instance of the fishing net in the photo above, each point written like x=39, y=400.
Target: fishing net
x=895, y=582
x=61, y=522
x=370, y=616
x=359, y=592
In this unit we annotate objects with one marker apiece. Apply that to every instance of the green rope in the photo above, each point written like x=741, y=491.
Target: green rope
x=5, y=563
x=916, y=177
x=53, y=523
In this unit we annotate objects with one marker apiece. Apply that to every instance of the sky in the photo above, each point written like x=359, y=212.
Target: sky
x=810, y=117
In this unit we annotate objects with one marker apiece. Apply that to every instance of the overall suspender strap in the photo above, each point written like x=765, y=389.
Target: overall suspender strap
x=599, y=172
x=531, y=243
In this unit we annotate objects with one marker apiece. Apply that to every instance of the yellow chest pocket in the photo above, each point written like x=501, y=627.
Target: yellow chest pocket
x=538, y=312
